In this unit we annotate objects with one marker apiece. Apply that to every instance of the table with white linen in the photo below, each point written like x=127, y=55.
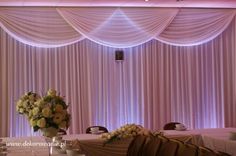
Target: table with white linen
x=38, y=150
x=89, y=145
x=216, y=138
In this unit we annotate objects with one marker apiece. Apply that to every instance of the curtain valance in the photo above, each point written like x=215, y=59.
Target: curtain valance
x=196, y=26
x=114, y=27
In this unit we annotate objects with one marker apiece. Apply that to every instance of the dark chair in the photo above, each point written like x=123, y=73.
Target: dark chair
x=170, y=125
x=62, y=132
x=101, y=128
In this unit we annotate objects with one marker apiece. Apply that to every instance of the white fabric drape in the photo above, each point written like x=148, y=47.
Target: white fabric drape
x=114, y=27
x=122, y=27
x=155, y=84
x=196, y=26
x=41, y=27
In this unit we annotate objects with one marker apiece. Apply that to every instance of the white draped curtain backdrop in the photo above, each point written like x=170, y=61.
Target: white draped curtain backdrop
x=180, y=65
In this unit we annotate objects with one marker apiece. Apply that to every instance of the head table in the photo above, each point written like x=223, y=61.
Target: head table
x=37, y=150
x=90, y=144
x=215, y=139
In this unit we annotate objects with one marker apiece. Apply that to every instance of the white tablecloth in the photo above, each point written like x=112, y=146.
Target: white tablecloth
x=216, y=138
x=14, y=150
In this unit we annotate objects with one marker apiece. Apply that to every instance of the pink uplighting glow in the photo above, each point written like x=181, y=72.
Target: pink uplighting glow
x=179, y=61
x=152, y=3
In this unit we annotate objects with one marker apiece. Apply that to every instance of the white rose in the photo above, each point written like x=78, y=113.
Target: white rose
x=30, y=113
x=112, y=134
x=125, y=136
x=41, y=123
x=35, y=111
x=129, y=135
x=31, y=97
x=25, y=104
x=33, y=122
x=119, y=130
x=46, y=112
x=21, y=110
x=52, y=92
x=19, y=103
x=104, y=135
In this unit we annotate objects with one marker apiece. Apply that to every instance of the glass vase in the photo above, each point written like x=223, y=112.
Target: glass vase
x=48, y=134
x=31, y=140
x=49, y=144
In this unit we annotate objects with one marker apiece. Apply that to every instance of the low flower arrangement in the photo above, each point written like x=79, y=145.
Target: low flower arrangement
x=126, y=131
x=47, y=113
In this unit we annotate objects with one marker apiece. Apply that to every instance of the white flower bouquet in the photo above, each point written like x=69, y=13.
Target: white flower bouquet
x=26, y=103
x=126, y=131
x=48, y=114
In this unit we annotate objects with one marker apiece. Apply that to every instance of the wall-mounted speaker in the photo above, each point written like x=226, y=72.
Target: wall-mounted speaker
x=119, y=55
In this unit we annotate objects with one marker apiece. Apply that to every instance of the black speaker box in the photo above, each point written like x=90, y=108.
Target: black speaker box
x=119, y=55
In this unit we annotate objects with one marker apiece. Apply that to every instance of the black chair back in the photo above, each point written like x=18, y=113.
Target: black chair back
x=170, y=126
x=101, y=128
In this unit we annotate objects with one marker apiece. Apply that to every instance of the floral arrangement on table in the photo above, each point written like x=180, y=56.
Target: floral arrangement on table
x=26, y=103
x=47, y=113
x=126, y=131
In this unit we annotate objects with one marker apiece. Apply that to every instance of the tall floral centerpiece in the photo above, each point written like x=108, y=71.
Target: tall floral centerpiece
x=47, y=113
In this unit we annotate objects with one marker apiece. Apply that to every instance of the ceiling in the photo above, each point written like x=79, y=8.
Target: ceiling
x=124, y=3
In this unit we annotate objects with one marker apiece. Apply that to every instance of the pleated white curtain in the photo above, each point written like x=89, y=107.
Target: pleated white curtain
x=155, y=84
x=114, y=27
